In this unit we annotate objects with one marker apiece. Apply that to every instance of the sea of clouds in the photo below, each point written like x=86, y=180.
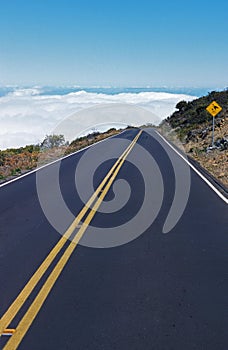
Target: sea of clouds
x=28, y=114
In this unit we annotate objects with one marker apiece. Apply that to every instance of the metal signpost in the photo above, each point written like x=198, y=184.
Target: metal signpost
x=213, y=109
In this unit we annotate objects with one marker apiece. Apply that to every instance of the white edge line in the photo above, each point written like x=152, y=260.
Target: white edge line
x=197, y=171
x=57, y=160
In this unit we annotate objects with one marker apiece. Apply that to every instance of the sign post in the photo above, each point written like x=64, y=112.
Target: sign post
x=213, y=109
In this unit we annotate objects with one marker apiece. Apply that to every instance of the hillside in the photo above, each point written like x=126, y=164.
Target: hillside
x=192, y=125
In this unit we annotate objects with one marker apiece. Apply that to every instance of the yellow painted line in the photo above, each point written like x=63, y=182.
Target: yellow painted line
x=27, y=290
x=22, y=297
x=35, y=307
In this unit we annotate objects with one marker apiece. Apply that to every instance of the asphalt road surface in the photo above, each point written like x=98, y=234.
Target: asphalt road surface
x=153, y=290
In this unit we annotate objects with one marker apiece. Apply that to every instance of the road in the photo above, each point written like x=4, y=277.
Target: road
x=149, y=291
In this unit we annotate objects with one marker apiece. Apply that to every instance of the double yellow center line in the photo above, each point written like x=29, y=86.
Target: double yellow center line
x=36, y=305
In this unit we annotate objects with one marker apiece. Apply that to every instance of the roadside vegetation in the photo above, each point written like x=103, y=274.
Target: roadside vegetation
x=17, y=161
x=191, y=124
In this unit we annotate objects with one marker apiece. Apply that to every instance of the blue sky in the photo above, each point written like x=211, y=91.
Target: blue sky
x=114, y=43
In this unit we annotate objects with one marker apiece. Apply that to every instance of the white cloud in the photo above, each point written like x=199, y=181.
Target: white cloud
x=26, y=115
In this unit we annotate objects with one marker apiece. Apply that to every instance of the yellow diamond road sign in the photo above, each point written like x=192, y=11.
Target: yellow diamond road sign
x=214, y=108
